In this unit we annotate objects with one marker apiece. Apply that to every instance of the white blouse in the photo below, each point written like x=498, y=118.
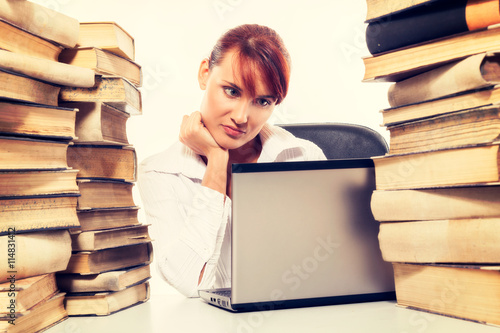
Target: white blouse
x=190, y=223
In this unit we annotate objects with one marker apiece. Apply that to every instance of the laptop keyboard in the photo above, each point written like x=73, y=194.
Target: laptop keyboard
x=225, y=293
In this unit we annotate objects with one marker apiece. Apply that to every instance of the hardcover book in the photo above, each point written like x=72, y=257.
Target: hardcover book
x=103, y=62
x=472, y=73
x=23, y=88
x=33, y=17
x=107, y=218
x=436, y=204
x=107, y=281
x=17, y=40
x=403, y=63
x=452, y=130
x=99, y=123
x=472, y=290
x=95, y=262
x=37, y=120
x=108, y=36
x=431, y=21
x=472, y=165
x=441, y=241
x=103, y=162
x=106, y=303
x=103, y=239
x=27, y=259
x=38, y=213
x=19, y=153
x=39, y=318
x=24, y=294
x=112, y=90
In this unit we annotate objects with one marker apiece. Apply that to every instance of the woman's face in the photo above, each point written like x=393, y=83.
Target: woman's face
x=232, y=116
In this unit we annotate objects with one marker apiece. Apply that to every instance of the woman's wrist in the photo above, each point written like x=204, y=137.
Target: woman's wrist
x=216, y=174
x=218, y=155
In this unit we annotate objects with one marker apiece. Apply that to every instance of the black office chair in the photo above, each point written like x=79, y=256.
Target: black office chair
x=341, y=140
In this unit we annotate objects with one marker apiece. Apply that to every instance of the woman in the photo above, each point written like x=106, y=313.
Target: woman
x=186, y=189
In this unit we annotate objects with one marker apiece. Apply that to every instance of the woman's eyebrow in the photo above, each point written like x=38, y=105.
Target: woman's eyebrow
x=234, y=86
x=268, y=96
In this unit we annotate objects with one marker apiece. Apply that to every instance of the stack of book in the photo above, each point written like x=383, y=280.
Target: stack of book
x=109, y=268
x=38, y=190
x=437, y=191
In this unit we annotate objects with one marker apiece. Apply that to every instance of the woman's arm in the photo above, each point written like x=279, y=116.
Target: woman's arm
x=188, y=228
x=188, y=221
x=196, y=136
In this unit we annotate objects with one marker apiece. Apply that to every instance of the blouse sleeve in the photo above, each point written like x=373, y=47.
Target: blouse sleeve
x=188, y=223
x=314, y=153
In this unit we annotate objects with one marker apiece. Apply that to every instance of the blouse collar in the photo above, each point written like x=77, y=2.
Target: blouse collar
x=276, y=144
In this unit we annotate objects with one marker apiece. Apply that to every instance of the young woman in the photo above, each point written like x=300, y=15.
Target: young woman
x=186, y=190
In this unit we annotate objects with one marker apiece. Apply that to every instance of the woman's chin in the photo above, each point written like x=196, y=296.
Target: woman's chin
x=230, y=146
x=229, y=143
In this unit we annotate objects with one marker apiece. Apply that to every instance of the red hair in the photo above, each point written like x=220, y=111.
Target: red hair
x=257, y=48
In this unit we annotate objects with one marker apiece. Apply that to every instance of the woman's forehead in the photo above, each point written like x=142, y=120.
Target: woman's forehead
x=244, y=74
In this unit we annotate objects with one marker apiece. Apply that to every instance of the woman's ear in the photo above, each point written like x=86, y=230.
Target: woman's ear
x=203, y=74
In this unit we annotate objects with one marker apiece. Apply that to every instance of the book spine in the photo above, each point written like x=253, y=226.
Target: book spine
x=47, y=70
x=469, y=165
x=464, y=292
x=443, y=81
x=418, y=25
x=436, y=204
x=428, y=22
x=441, y=241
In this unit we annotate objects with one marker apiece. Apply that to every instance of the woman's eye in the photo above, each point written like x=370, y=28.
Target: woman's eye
x=262, y=102
x=231, y=92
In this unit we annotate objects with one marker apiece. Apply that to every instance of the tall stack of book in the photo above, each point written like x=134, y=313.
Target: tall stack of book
x=437, y=191
x=38, y=190
x=109, y=268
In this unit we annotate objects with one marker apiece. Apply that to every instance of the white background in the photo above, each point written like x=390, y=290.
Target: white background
x=324, y=37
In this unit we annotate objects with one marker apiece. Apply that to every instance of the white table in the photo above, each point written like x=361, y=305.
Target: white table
x=172, y=312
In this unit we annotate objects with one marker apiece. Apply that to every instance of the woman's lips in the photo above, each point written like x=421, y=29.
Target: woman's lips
x=232, y=131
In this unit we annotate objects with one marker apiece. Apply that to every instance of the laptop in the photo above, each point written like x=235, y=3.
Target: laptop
x=303, y=235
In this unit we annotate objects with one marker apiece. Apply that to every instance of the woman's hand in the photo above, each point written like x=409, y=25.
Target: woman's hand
x=196, y=136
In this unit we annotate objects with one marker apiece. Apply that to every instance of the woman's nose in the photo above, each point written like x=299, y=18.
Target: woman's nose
x=240, y=112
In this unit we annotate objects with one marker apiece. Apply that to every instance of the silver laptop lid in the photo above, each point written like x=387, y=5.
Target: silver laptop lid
x=304, y=230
